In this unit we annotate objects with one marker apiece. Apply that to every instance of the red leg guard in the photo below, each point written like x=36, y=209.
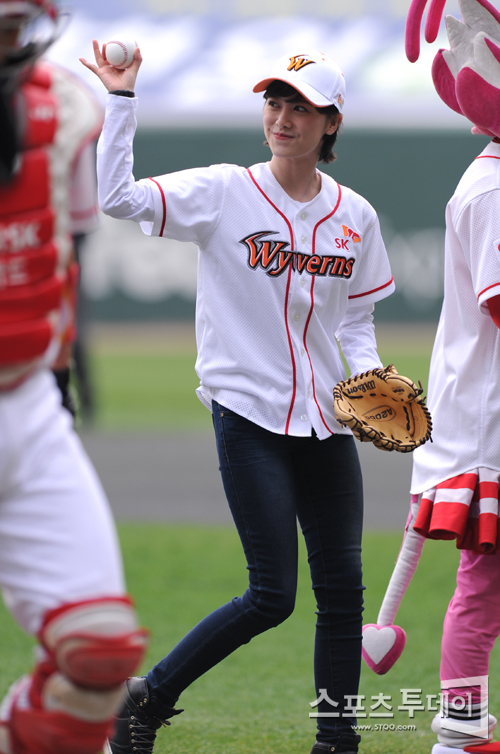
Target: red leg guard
x=97, y=643
x=100, y=663
x=67, y=705
x=39, y=731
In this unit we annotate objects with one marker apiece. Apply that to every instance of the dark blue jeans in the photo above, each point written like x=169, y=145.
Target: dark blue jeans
x=270, y=481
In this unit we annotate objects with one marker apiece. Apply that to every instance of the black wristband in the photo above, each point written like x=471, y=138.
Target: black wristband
x=123, y=93
x=62, y=378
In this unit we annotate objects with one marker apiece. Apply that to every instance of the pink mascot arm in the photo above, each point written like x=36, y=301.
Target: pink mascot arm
x=384, y=642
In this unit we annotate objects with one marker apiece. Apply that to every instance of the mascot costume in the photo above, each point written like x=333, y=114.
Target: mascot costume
x=455, y=481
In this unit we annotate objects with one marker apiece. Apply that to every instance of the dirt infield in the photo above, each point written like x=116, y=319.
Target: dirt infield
x=170, y=335
x=175, y=477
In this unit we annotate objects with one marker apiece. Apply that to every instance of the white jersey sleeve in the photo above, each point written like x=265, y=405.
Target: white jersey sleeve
x=119, y=195
x=188, y=203
x=478, y=228
x=183, y=205
x=356, y=336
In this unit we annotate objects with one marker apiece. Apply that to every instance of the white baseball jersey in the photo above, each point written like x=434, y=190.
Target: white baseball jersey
x=278, y=280
x=464, y=380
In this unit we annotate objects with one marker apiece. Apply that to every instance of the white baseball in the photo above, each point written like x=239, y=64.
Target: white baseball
x=120, y=54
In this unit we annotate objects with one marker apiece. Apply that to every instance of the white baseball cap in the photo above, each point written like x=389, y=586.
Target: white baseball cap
x=318, y=78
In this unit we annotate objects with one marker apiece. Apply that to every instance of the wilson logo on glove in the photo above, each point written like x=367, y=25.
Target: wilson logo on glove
x=361, y=388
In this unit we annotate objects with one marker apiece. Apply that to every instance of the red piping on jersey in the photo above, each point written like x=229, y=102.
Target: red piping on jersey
x=312, y=308
x=367, y=293
x=488, y=288
x=290, y=346
x=164, y=205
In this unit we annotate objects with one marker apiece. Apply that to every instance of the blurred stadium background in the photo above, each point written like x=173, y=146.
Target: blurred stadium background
x=400, y=147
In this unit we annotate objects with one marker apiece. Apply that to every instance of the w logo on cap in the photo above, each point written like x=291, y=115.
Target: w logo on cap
x=297, y=62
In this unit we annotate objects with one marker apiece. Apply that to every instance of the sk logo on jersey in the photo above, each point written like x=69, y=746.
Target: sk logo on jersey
x=275, y=257
x=297, y=62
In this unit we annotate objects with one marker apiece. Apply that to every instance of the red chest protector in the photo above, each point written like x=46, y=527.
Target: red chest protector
x=30, y=284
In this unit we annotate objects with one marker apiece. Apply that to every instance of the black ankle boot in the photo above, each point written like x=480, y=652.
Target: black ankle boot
x=347, y=744
x=138, y=720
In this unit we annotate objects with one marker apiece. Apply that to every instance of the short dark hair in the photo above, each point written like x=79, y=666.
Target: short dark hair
x=279, y=88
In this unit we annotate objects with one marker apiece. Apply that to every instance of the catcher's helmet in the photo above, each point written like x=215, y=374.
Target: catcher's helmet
x=27, y=29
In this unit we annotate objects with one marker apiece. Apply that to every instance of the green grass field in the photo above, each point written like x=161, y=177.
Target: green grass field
x=257, y=700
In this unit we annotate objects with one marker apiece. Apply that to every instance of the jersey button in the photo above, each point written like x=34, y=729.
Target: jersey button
x=303, y=215
x=303, y=239
x=296, y=316
x=304, y=418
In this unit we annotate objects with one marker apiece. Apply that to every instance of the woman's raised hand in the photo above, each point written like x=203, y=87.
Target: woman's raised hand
x=113, y=78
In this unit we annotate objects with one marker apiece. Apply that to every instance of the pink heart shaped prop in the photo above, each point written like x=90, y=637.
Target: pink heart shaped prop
x=382, y=645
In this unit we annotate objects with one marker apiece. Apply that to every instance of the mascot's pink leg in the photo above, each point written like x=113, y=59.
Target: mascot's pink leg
x=471, y=626
x=472, y=621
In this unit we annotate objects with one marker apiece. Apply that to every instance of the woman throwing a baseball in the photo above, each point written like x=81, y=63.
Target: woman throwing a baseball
x=290, y=264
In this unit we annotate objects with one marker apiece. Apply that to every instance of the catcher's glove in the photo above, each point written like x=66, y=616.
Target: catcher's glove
x=385, y=408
